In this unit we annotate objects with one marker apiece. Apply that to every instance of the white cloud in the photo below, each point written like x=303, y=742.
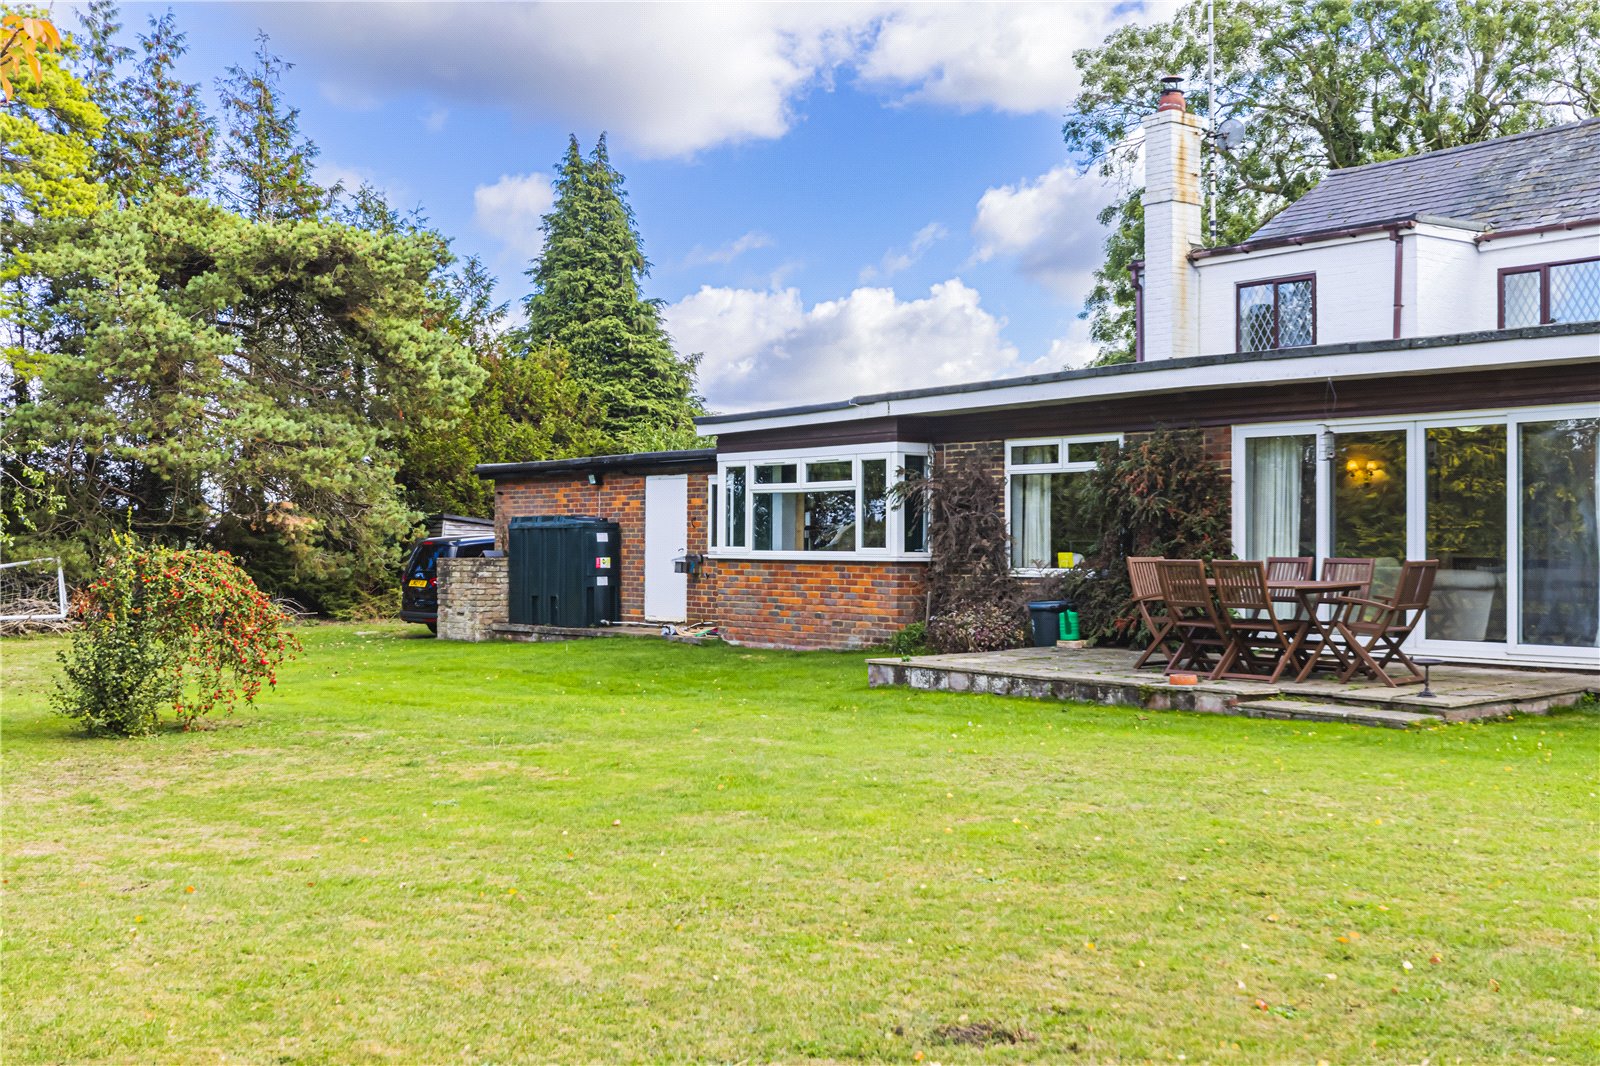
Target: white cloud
x=511, y=208
x=1076, y=349
x=727, y=253
x=767, y=349
x=1048, y=226
x=434, y=118
x=1014, y=57
x=897, y=259
x=674, y=79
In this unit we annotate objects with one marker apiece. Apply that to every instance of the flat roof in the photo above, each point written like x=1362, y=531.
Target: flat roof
x=1130, y=374
x=635, y=460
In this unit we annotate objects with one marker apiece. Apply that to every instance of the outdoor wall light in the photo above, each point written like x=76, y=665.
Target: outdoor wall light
x=594, y=478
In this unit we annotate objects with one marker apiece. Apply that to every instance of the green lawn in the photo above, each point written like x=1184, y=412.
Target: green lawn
x=622, y=849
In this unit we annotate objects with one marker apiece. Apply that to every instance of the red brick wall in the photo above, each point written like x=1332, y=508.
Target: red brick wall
x=618, y=498
x=784, y=604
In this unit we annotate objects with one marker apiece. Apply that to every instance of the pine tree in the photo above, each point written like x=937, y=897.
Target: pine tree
x=265, y=169
x=587, y=302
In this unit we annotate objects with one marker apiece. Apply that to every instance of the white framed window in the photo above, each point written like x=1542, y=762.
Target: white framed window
x=1052, y=523
x=813, y=503
x=713, y=511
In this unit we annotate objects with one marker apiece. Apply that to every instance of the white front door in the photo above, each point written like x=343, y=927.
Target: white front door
x=666, y=539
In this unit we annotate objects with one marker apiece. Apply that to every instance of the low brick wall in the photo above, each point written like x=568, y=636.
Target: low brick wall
x=472, y=597
x=786, y=604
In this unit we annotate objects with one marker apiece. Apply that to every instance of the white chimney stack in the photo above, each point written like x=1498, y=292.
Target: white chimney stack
x=1172, y=227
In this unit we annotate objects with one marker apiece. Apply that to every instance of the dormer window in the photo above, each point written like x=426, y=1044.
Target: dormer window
x=1277, y=313
x=1550, y=292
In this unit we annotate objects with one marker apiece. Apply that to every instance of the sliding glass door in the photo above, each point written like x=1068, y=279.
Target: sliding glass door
x=1559, y=568
x=1465, y=515
x=1505, y=501
x=1368, y=513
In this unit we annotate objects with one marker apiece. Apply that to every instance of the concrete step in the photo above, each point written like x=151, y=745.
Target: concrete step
x=1300, y=711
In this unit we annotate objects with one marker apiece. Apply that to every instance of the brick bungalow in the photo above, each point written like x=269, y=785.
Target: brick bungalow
x=1400, y=322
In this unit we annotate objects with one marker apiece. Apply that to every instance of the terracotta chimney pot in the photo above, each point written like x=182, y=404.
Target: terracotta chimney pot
x=1171, y=95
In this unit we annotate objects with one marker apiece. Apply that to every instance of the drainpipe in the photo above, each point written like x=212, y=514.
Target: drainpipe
x=1399, y=269
x=1136, y=272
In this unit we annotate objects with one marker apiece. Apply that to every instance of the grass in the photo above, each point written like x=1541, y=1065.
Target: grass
x=623, y=849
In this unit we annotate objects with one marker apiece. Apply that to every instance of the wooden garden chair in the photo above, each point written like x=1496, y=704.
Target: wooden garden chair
x=1201, y=632
x=1152, y=606
x=1289, y=568
x=1322, y=652
x=1260, y=643
x=1374, y=628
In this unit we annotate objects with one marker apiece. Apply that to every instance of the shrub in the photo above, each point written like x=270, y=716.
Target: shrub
x=169, y=626
x=912, y=640
x=977, y=627
x=1156, y=495
x=975, y=604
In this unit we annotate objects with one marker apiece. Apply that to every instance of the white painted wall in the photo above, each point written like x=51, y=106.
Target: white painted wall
x=1449, y=282
x=1355, y=289
x=1444, y=286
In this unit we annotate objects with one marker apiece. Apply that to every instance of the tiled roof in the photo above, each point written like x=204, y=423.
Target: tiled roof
x=1545, y=177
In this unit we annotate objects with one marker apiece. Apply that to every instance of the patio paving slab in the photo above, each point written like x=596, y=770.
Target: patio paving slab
x=1106, y=675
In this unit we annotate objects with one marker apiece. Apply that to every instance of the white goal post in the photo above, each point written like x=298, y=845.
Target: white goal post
x=33, y=590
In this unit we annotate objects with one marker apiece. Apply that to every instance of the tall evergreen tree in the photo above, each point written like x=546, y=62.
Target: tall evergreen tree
x=265, y=169
x=587, y=301
x=157, y=135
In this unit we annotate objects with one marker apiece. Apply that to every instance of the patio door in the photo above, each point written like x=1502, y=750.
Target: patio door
x=1464, y=515
x=1505, y=500
x=1368, y=493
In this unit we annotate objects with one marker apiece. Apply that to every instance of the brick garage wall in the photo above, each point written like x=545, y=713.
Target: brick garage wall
x=786, y=604
x=472, y=597
x=618, y=498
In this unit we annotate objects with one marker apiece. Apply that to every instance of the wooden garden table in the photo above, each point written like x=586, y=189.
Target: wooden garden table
x=1310, y=593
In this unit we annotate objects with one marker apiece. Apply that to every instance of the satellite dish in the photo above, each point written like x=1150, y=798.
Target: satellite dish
x=1230, y=135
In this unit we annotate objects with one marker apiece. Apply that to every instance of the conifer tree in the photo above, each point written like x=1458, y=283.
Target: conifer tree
x=265, y=169
x=587, y=302
x=157, y=135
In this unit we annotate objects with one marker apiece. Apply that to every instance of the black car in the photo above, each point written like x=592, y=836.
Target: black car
x=419, y=586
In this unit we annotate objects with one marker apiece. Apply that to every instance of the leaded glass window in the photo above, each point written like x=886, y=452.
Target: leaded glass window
x=1277, y=314
x=1575, y=292
x=1521, y=295
x=1550, y=292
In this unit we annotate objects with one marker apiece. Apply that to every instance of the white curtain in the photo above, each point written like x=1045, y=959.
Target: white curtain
x=1030, y=520
x=1273, y=517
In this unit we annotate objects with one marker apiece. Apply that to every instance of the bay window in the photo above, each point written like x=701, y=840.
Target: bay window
x=822, y=502
x=1051, y=515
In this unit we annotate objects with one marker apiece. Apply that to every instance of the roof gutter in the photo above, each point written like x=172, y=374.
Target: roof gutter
x=1524, y=231
x=1318, y=236
x=634, y=460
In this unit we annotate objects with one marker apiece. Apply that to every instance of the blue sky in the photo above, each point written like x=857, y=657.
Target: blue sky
x=835, y=199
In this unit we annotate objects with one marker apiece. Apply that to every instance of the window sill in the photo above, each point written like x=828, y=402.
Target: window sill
x=814, y=557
